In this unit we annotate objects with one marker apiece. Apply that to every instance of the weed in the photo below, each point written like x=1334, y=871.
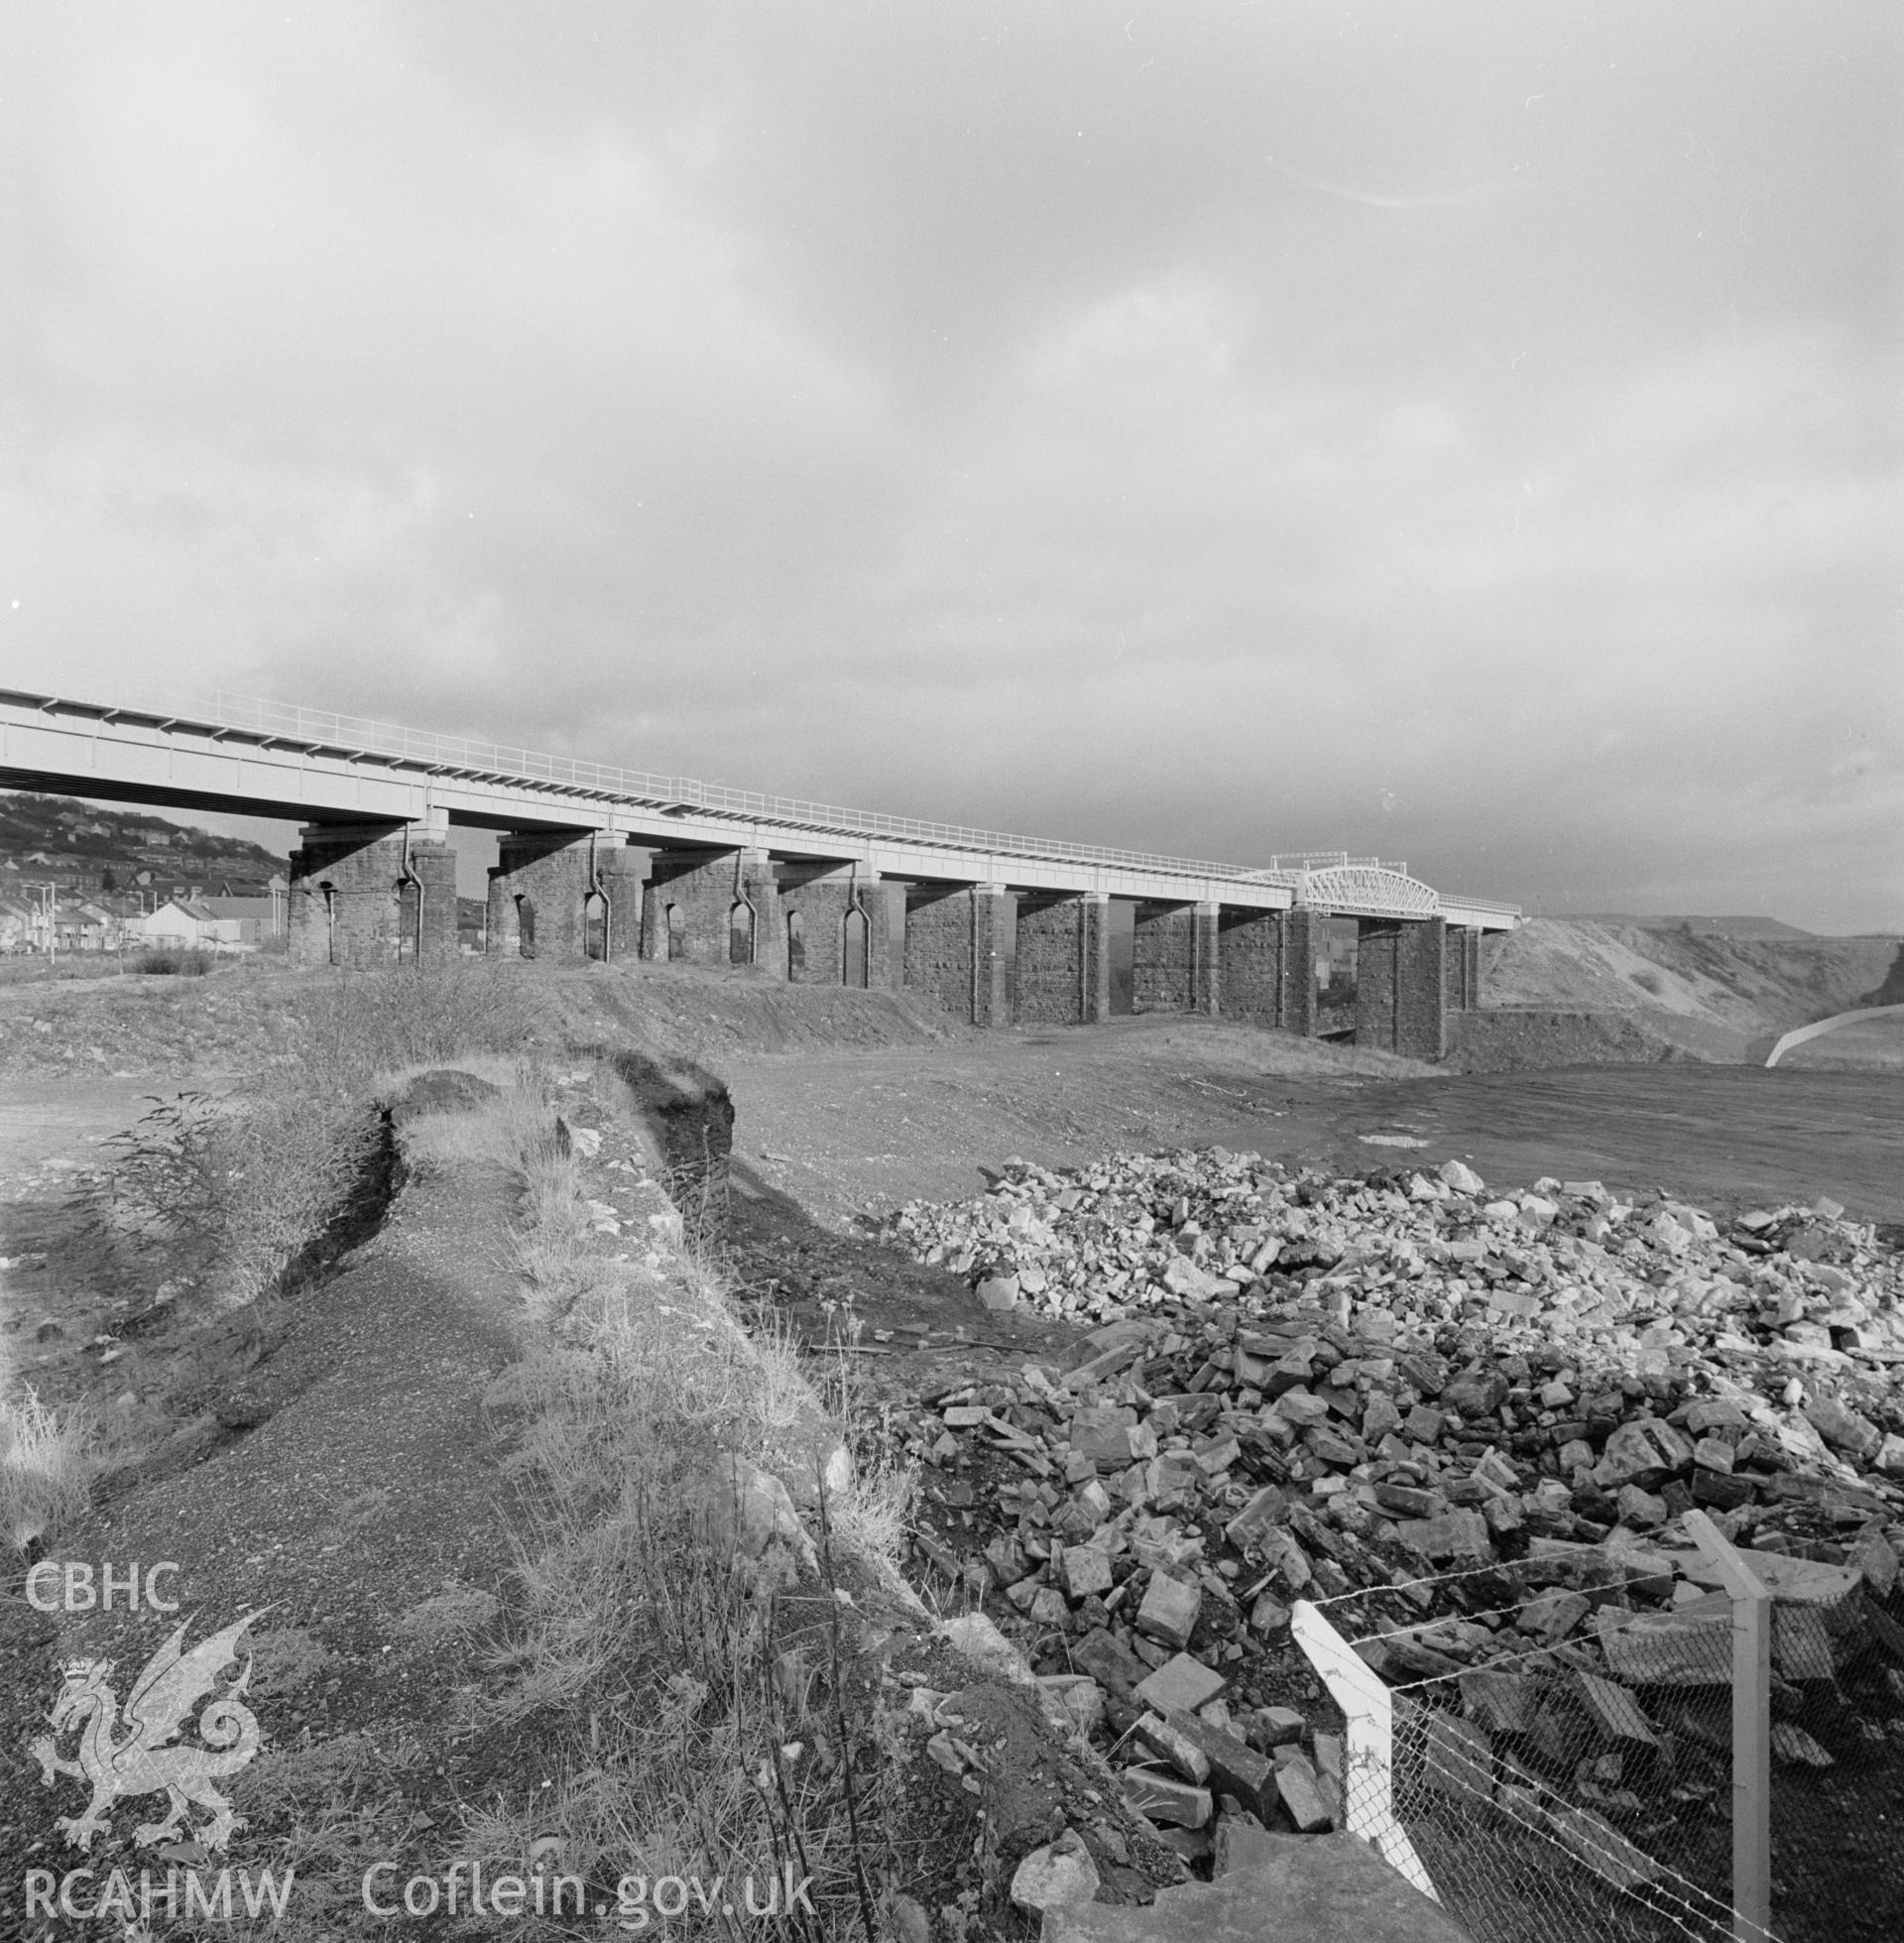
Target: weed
x=46, y=1466
x=173, y=963
x=358, y=1024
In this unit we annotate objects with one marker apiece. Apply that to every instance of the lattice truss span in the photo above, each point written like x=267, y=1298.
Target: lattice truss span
x=1366, y=890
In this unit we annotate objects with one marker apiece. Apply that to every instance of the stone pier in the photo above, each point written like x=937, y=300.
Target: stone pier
x=1299, y=941
x=562, y=893
x=955, y=947
x=1177, y=960
x=364, y=895
x=1250, y=954
x=836, y=925
x=1164, y=947
x=1463, y=968
x=1206, y=964
x=1400, y=980
x=714, y=907
x=1064, y=959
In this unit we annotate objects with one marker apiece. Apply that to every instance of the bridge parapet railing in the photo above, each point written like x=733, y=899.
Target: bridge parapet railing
x=321, y=730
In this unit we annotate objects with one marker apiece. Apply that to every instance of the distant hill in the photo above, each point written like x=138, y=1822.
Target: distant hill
x=1698, y=926
x=86, y=850
x=1712, y=994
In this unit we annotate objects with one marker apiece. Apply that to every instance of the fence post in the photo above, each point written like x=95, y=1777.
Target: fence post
x=1368, y=1743
x=1751, y=1730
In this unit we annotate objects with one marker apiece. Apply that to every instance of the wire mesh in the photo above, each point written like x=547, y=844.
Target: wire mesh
x=1560, y=1760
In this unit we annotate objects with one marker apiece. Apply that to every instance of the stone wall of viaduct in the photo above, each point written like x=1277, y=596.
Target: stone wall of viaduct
x=370, y=895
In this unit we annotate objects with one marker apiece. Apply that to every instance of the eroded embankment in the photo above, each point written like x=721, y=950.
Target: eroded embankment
x=546, y=1558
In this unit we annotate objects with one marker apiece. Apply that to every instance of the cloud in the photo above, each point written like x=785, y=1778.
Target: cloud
x=1202, y=436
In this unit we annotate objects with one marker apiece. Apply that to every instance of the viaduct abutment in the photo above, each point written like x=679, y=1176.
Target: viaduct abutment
x=989, y=951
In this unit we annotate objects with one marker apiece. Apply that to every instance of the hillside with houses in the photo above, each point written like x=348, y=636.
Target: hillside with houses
x=75, y=877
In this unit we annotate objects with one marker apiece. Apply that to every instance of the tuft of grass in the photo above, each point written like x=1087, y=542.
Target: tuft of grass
x=173, y=963
x=47, y=1465
x=354, y=1025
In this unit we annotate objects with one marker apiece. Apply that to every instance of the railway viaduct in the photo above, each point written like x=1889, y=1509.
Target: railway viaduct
x=612, y=863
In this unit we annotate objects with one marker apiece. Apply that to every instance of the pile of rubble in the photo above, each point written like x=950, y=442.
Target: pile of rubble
x=1475, y=1421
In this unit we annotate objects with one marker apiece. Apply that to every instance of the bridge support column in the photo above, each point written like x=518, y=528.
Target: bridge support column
x=1401, y=984
x=1163, y=949
x=1249, y=963
x=714, y=907
x=364, y=895
x=1064, y=959
x=1463, y=968
x=1206, y=962
x=1421, y=989
x=555, y=893
x=955, y=948
x=1299, y=940
x=835, y=926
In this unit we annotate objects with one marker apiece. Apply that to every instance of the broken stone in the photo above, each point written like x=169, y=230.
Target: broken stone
x=1300, y=1792
x=1458, y=1759
x=1167, y=1741
x=1087, y=1571
x=1060, y=1873
x=1550, y=1616
x=1454, y=1534
x=1615, y=1710
x=1103, y=1655
x=1163, y=1798
x=1169, y=1610
x=1179, y=1686
x=1234, y=1769
x=1278, y=1727
x=1601, y=1848
x=1645, y=1451
x=998, y=1292
x=1076, y=1699
x=1842, y=1428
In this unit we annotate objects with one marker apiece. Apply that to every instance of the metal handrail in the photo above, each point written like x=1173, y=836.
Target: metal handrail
x=322, y=730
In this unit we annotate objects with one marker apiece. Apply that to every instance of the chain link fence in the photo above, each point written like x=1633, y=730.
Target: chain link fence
x=1578, y=1749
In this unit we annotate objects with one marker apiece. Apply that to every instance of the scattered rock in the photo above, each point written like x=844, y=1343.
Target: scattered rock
x=1060, y=1873
x=1369, y=1382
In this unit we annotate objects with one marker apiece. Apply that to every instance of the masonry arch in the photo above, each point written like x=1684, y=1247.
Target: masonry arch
x=795, y=946
x=855, y=939
x=595, y=938
x=330, y=893
x=740, y=932
x=677, y=927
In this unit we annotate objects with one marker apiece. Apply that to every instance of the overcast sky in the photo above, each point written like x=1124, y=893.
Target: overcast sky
x=1470, y=435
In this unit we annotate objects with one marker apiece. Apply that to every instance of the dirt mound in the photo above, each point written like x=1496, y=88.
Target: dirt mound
x=1706, y=993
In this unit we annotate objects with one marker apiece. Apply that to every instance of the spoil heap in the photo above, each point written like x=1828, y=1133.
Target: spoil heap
x=1475, y=1421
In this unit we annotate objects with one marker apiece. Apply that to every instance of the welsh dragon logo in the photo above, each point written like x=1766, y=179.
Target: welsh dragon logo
x=136, y=1757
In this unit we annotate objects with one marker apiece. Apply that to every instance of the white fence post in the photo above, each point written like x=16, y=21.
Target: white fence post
x=1752, y=1732
x=1368, y=1743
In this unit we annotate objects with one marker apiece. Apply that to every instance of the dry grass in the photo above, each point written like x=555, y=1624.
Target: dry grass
x=690, y=1743
x=358, y=1024
x=47, y=1465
